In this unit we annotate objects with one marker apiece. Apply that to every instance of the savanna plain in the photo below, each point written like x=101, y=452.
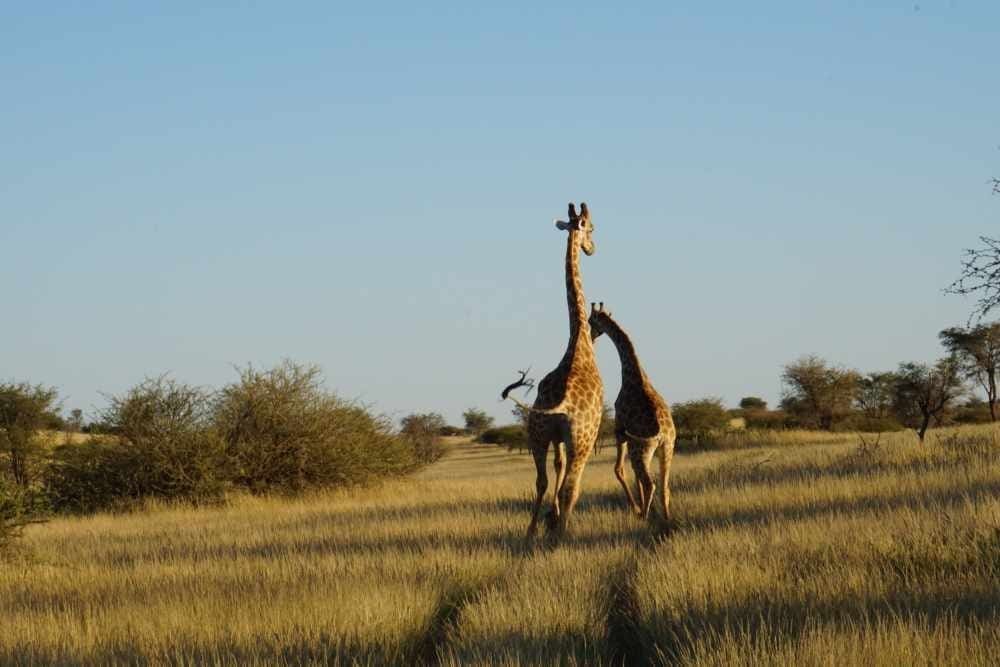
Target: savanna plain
x=791, y=548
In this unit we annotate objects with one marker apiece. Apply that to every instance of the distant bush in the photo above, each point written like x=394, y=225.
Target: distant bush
x=513, y=436
x=283, y=431
x=11, y=513
x=165, y=446
x=18, y=508
x=697, y=419
x=423, y=433
x=753, y=403
x=448, y=430
x=99, y=474
x=766, y=419
x=25, y=409
x=476, y=420
x=867, y=424
x=974, y=411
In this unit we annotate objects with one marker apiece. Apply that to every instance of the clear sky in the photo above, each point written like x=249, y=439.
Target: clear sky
x=371, y=187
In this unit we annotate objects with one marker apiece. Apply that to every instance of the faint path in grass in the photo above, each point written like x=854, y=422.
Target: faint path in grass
x=444, y=622
x=623, y=641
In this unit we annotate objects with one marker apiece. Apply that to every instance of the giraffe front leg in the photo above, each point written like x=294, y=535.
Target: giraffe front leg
x=620, y=474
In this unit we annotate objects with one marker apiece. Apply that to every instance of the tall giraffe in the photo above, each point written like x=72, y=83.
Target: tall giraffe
x=568, y=405
x=643, y=423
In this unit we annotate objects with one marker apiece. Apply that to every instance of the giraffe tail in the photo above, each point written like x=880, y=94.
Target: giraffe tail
x=524, y=382
x=633, y=436
x=557, y=410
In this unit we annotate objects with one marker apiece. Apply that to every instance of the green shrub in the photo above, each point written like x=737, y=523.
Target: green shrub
x=283, y=431
x=423, y=434
x=164, y=446
x=867, y=424
x=25, y=409
x=476, y=420
x=11, y=513
x=770, y=420
x=99, y=474
x=696, y=419
x=18, y=508
x=513, y=436
x=974, y=411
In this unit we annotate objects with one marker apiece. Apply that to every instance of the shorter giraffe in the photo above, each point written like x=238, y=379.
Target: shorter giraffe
x=643, y=423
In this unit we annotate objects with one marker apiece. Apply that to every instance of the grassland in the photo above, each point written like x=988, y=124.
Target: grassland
x=801, y=550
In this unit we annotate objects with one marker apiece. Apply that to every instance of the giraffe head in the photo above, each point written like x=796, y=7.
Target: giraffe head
x=599, y=320
x=581, y=226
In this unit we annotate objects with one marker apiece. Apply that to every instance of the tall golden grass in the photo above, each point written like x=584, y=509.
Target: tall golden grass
x=829, y=552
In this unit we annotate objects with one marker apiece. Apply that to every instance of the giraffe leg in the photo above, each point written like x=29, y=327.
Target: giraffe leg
x=641, y=458
x=559, y=464
x=538, y=451
x=620, y=474
x=578, y=449
x=666, y=455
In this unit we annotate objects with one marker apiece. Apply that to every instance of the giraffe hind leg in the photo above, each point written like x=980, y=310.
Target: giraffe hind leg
x=538, y=452
x=666, y=454
x=620, y=474
x=559, y=465
x=641, y=458
x=579, y=445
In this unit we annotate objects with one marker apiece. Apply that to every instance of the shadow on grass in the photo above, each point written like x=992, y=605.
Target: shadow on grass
x=675, y=640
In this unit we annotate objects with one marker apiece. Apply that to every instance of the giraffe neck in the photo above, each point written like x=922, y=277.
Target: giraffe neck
x=631, y=368
x=579, y=324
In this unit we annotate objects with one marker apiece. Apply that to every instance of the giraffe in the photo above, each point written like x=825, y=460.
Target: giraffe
x=643, y=423
x=567, y=408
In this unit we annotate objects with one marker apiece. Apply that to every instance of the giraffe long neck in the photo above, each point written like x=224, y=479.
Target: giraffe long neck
x=631, y=368
x=579, y=324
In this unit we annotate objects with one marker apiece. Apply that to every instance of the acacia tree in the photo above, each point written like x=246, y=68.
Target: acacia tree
x=924, y=393
x=423, y=431
x=753, y=403
x=476, y=420
x=978, y=351
x=875, y=394
x=816, y=392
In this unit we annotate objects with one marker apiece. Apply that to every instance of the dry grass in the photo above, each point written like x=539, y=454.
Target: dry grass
x=56, y=438
x=822, y=553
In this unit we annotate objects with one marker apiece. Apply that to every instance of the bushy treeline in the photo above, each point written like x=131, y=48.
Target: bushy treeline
x=917, y=395
x=276, y=430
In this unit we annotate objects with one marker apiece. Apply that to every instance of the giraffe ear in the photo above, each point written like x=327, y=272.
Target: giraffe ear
x=563, y=225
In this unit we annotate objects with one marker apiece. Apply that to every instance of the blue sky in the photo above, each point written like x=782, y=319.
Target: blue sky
x=371, y=188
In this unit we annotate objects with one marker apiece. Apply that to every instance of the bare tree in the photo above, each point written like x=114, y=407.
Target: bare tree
x=925, y=393
x=980, y=276
x=981, y=273
x=978, y=351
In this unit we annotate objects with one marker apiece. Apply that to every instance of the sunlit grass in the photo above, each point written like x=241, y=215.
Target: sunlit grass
x=830, y=552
